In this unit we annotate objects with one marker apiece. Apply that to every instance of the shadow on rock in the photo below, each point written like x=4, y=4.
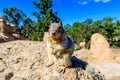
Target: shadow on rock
x=94, y=73
x=76, y=63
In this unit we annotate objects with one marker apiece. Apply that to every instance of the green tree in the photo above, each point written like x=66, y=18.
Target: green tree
x=76, y=31
x=37, y=33
x=44, y=13
x=116, y=34
x=67, y=26
x=45, y=16
x=108, y=27
x=27, y=27
x=14, y=16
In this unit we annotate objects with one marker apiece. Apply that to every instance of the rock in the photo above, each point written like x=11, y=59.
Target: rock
x=82, y=45
x=18, y=36
x=2, y=66
x=26, y=60
x=82, y=54
x=116, y=54
x=3, y=38
x=70, y=74
x=117, y=60
x=45, y=36
x=6, y=76
x=100, y=51
x=111, y=71
x=18, y=78
x=2, y=77
x=24, y=72
x=9, y=76
x=8, y=32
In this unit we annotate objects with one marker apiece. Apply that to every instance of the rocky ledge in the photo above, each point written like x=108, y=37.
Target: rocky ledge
x=26, y=60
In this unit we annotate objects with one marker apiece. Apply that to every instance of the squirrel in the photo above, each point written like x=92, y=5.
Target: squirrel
x=60, y=47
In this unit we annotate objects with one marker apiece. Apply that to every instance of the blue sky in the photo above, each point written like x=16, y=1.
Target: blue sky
x=71, y=11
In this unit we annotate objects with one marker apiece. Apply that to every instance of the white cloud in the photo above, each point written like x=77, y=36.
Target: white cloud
x=104, y=1
x=97, y=0
x=83, y=2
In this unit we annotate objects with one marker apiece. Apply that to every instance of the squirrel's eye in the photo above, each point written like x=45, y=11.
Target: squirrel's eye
x=59, y=28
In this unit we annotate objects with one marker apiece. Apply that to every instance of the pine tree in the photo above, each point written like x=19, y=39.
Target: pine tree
x=45, y=14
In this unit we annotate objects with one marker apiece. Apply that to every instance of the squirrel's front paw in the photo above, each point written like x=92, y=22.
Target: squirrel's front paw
x=61, y=69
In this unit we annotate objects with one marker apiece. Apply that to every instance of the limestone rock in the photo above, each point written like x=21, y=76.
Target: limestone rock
x=100, y=51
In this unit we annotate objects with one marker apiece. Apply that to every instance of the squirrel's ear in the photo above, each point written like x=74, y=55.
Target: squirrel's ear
x=60, y=22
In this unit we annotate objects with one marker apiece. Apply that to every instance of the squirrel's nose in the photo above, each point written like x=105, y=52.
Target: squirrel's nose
x=53, y=34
